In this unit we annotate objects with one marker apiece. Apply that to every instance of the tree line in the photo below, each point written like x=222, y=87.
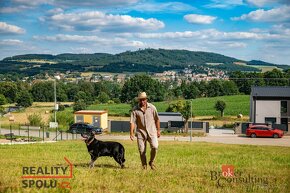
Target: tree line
x=86, y=93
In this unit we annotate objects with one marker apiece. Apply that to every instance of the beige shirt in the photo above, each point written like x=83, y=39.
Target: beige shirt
x=145, y=120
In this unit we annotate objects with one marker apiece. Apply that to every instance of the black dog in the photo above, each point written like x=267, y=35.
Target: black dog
x=97, y=148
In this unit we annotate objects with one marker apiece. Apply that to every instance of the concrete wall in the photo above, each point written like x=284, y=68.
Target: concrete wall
x=267, y=109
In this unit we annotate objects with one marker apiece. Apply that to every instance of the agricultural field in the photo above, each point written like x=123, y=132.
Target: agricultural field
x=201, y=107
x=181, y=167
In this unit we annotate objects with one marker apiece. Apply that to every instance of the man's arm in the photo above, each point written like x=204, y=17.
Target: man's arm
x=132, y=127
x=157, y=123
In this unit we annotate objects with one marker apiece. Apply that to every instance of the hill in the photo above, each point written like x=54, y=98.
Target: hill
x=147, y=60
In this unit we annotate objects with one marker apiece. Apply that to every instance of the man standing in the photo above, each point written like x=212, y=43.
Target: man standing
x=145, y=117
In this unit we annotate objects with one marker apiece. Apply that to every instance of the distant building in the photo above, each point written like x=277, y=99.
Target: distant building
x=96, y=118
x=270, y=105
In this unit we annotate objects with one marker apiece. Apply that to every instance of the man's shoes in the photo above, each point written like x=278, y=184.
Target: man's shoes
x=151, y=164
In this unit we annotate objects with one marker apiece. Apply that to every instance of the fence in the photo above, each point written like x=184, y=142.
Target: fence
x=24, y=133
x=172, y=126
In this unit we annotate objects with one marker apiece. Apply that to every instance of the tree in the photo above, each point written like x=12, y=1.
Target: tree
x=191, y=91
x=103, y=97
x=24, y=99
x=79, y=105
x=9, y=90
x=229, y=88
x=43, y=91
x=3, y=100
x=214, y=88
x=184, y=108
x=142, y=83
x=82, y=96
x=220, y=106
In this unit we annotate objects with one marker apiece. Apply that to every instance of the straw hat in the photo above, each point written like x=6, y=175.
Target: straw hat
x=142, y=95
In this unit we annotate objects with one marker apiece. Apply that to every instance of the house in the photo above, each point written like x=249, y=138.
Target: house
x=96, y=118
x=271, y=105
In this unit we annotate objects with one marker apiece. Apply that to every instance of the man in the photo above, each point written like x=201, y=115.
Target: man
x=145, y=117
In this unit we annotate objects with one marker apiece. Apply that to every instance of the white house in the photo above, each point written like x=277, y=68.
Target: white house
x=270, y=104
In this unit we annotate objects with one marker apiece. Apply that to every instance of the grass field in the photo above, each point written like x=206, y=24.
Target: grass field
x=182, y=167
x=201, y=107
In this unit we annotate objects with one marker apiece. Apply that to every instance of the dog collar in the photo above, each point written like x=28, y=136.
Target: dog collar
x=90, y=141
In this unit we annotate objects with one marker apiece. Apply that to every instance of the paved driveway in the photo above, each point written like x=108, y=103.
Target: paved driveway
x=214, y=136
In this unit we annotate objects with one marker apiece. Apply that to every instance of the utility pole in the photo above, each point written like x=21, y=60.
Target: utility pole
x=191, y=120
x=55, y=108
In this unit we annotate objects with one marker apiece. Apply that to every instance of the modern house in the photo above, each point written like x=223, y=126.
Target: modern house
x=96, y=118
x=270, y=104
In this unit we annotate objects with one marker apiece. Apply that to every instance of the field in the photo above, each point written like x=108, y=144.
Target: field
x=182, y=167
x=201, y=107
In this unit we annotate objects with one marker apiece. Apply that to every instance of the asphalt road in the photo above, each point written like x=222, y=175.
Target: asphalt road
x=214, y=136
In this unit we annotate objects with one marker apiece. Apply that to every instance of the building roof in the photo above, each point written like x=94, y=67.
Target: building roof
x=90, y=112
x=169, y=114
x=270, y=91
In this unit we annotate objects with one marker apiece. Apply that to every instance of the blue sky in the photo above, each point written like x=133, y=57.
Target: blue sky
x=245, y=29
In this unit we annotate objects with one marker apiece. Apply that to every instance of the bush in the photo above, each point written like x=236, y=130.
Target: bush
x=117, y=100
x=64, y=119
x=2, y=110
x=61, y=107
x=111, y=102
x=35, y=120
x=229, y=125
x=3, y=100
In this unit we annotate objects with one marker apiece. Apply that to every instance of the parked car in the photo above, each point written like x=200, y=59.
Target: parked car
x=84, y=128
x=263, y=131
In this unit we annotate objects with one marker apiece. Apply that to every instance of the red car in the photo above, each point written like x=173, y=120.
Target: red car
x=263, y=131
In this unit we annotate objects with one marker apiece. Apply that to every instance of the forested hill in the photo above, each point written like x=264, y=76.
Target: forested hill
x=147, y=60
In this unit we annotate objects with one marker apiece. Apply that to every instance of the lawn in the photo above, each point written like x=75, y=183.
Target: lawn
x=182, y=167
x=201, y=107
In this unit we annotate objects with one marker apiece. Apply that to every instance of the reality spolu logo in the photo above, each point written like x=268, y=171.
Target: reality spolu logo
x=47, y=177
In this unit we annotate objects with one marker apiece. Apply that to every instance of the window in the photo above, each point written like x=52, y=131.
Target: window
x=271, y=120
x=79, y=118
x=283, y=106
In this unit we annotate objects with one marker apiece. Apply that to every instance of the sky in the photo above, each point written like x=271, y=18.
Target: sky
x=244, y=29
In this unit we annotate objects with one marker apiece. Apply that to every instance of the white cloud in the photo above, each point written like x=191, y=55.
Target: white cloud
x=280, y=14
x=261, y=3
x=11, y=42
x=199, y=19
x=93, y=3
x=6, y=28
x=91, y=40
x=224, y=4
x=99, y=21
x=21, y=5
x=161, y=7
x=215, y=35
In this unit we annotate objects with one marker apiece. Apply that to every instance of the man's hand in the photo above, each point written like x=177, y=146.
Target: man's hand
x=158, y=133
x=132, y=137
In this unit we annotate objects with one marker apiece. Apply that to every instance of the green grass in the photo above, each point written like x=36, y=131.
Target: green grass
x=182, y=167
x=201, y=107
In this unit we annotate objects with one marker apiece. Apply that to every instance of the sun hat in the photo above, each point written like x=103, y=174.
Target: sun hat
x=142, y=95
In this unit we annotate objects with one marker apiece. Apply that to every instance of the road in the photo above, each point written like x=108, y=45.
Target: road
x=214, y=136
